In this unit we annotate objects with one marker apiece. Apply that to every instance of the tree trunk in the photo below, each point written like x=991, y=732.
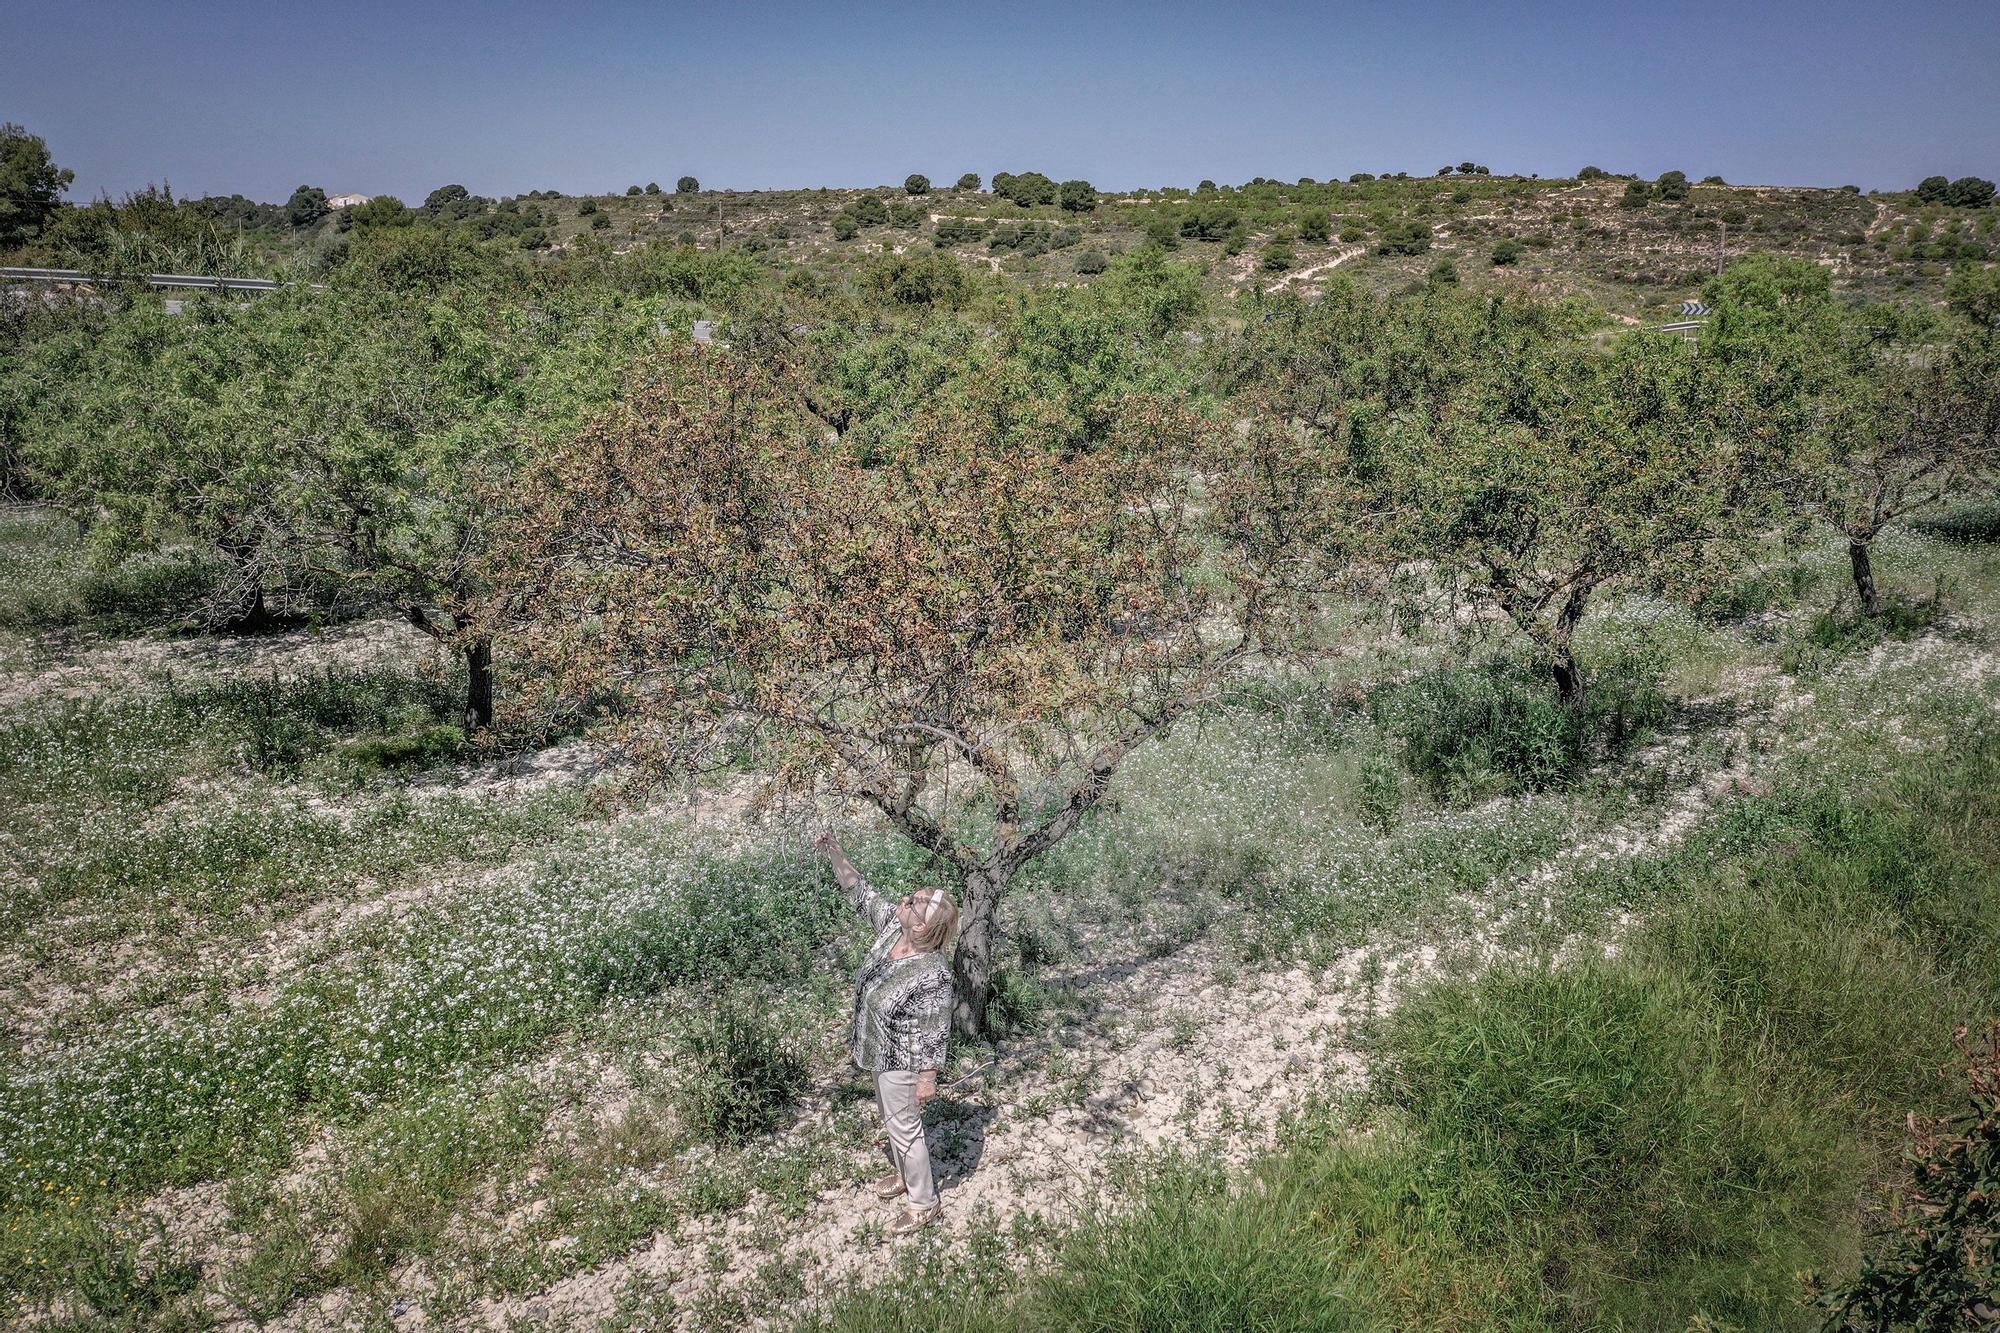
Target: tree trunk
x=1864, y=577
x=1569, y=679
x=1569, y=676
x=972, y=965
x=478, y=685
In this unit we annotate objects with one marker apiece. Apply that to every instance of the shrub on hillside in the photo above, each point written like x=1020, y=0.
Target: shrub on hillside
x=1506, y=253
x=1969, y=192
x=1080, y=196
x=742, y=1075
x=1406, y=238
x=1468, y=732
x=919, y=278
x=916, y=184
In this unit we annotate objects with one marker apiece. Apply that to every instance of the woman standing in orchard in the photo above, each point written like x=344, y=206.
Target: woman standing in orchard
x=902, y=1018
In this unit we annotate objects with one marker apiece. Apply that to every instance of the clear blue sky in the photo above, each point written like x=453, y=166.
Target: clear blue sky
x=226, y=97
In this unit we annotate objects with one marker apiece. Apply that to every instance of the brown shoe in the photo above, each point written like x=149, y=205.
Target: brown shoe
x=889, y=1186
x=914, y=1220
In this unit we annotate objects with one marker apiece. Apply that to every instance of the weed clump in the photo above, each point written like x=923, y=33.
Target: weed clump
x=1467, y=733
x=743, y=1075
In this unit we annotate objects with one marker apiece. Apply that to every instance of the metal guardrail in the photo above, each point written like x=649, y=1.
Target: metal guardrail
x=173, y=281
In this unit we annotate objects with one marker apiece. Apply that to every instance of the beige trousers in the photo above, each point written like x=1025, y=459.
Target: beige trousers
x=896, y=1097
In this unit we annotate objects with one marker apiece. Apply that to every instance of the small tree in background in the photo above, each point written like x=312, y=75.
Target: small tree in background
x=1506, y=253
x=1637, y=195
x=31, y=185
x=1969, y=192
x=652, y=187
x=687, y=185
x=1520, y=467
x=1078, y=196
x=1315, y=226
x=1546, y=469
x=306, y=206
x=384, y=210
x=972, y=636
x=969, y=181
x=916, y=184
x=1672, y=186
x=1932, y=189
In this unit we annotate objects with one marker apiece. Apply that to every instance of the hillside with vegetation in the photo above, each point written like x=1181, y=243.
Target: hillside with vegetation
x=1470, y=812
x=1634, y=248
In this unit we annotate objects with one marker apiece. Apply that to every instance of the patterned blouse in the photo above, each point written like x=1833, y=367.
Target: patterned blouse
x=902, y=1006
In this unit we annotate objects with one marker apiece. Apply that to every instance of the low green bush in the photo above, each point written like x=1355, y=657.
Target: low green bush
x=1470, y=732
x=1969, y=525
x=151, y=586
x=1832, y=635
x=742, y=1074
x=1756, y=592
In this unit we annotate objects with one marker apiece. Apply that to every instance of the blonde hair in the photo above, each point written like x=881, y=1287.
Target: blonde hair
x=937, y=923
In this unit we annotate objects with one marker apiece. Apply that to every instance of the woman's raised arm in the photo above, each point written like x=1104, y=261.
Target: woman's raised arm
x=874, y=909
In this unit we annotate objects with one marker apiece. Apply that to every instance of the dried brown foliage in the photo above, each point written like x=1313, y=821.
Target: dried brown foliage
x=966, y=617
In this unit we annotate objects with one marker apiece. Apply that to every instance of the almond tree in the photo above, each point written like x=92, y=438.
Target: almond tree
x=1918, y=425
x=971, y=634
x=1901, y=409
x=1495, y=447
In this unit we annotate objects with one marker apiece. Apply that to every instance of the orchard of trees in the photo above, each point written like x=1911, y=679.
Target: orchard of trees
x=953, y=548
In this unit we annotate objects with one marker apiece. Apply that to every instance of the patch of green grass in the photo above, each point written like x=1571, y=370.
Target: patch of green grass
x=151, y=1102
x=419, y=749
x=1820, y=643
x=1966, y=525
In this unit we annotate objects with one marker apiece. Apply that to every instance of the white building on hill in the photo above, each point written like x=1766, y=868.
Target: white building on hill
x=347, y=200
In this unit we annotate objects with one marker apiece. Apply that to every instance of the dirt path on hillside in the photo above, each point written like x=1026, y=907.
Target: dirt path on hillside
x=1306, y=275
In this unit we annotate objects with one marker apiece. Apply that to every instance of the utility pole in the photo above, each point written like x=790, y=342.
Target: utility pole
x=1721, y=244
